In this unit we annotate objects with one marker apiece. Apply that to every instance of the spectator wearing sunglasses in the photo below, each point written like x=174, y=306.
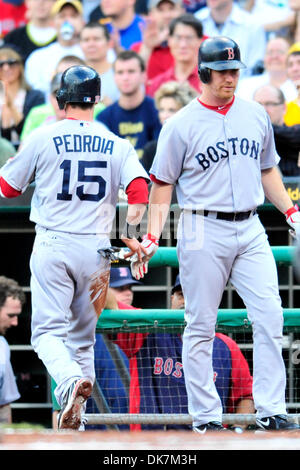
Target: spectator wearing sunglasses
x=12, y=299
x=16, y=97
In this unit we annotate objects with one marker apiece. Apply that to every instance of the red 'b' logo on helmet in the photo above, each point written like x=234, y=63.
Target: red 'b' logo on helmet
x=230, y=53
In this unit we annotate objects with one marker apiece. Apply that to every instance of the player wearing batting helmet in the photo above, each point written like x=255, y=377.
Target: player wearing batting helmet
x=219, y=154
x=78, y=167
x=79, y=85
x=219, y=53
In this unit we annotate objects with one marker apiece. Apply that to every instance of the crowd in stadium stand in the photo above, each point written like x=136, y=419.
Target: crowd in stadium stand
x=165, y=34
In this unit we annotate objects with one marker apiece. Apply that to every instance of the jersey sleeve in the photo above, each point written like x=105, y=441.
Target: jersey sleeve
x=269, y=155
x=170, y=152
x=241, y=379
x=19, y=170
x=131, y=167
x=8, y=191
x=137, y=191
x=157, y=181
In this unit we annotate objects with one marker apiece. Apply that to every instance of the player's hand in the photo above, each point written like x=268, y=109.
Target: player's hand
x=140, y=267
x=293, y=219
x=135, y=248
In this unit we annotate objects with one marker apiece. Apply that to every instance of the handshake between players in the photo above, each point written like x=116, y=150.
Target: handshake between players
x=137, y=255
x=140, y=253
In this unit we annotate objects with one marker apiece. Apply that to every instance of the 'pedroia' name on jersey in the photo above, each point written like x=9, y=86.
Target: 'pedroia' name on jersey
x=220, y=150
x=82, y=143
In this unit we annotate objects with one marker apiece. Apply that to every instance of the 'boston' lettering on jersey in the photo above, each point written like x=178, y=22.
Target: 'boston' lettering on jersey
x=82, y=143
x=220, y=150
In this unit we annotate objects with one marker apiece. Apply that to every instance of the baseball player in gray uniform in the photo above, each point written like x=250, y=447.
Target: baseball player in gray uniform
x=77, y=168
x=219, y=153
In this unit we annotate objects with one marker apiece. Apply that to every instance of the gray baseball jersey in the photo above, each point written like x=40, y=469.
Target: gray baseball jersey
x=215, y=161
x=77, y=167
x=204, y=156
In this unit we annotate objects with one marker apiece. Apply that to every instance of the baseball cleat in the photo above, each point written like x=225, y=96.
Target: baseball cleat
x=208, y=427
x=276, y=423
x=77, y=394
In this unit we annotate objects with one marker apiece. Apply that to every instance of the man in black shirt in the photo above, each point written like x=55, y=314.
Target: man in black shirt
x=287, y=138
x=38, y=32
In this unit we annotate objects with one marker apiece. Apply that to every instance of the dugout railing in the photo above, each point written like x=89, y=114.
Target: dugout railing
x=233, y=322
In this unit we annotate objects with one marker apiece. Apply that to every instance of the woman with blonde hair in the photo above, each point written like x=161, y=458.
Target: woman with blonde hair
x=16, y=97
x=169, y=98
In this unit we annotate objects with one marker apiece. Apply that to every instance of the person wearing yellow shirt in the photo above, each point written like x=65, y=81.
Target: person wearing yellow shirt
x=292, y=114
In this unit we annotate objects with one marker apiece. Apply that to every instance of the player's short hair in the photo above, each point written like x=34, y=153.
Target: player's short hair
x=128, y=55
x=82, y=106
x=10, y=288
x=182, y=93
x=97, y=25
x=189, y=20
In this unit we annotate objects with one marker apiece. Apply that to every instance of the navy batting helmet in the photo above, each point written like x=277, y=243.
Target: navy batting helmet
x=79, y=84
x=218, y=53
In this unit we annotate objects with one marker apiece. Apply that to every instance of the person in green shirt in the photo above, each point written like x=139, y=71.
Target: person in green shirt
x=7, y=150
